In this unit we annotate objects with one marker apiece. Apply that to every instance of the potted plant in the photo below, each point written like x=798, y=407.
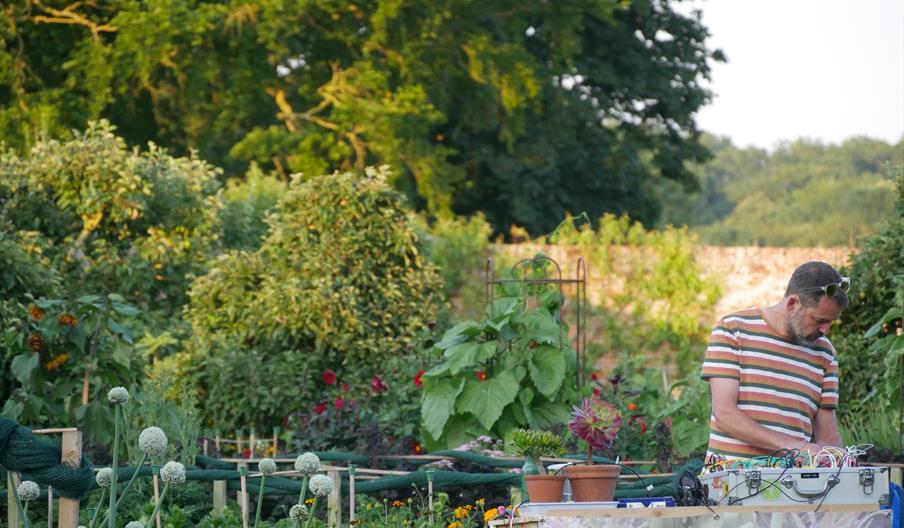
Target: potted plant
x=533, y=444
x=597, y=423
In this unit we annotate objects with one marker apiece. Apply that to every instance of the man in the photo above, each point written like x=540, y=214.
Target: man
x=773, y=373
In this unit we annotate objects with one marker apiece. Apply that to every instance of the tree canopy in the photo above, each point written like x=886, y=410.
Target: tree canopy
x=522, y=110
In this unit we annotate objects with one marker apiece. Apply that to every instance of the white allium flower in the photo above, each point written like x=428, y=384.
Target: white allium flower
x=134, y=524
x=28, y=490
x=173, y=473
x=298, y=512
x=321, y=485
x=104, y=477
x=118, y=395
x=307, y=464
x=266, y=466
x=152, y=441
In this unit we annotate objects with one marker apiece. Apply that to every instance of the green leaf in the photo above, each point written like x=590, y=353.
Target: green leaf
x=461, y=356
x=92, y=299
x=12, y=409
x=116, y=297
x=526, y=396
x=125, y=309
x=547, y=369
x=77, y=336
x=120, y=330
x=549, y=413
x=486, y=399
x=23, y=365
x=688, y=435
x=892, y=314
x=540, y=327
x=439, y=404
x=503, y=307
x=458, y=334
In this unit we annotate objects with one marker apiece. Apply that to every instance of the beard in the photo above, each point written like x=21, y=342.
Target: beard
x=796, y=330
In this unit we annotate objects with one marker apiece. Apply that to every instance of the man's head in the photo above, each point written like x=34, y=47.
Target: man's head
x=814, y=298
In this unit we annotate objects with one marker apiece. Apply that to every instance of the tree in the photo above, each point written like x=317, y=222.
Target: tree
x=521, y=110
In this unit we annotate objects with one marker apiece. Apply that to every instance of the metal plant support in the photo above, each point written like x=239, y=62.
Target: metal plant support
x=520, y=276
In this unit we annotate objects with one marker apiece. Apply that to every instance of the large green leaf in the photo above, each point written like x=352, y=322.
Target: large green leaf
x=893, y=313
x=23, y=365
x=457, y=334
x=688, y=435
x=547, y=413
x=540, y=326
x=439, y=404
x=487, y=399
x=547, y=369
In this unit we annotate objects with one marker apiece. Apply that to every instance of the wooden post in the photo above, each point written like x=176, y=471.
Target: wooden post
x=219, y=496
x=12, y=509
x=238, y=443
x=430, y=492
x=49, y=506
x=156, y=495
x=72, y=455
x=205, y=448
x=351, y=494
x=335, y=500
x=275, y=440
x=216, y=443
x=251, y=444
x=243, y=494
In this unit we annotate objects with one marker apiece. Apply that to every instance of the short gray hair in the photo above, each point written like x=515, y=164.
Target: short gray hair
x=809, y=277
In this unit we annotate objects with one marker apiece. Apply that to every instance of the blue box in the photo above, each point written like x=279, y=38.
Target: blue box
x=647, y=502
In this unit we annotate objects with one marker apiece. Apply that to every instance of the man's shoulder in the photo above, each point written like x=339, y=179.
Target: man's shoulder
x=748, y=316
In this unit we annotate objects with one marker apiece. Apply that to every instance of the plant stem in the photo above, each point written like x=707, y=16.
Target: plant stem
x=159, y=502
x=260, y=502
x=304, y=489
x=111, y=515
x=25, y=514
x=125, y=490
x=589, y=454
x=103, y=493
x=22, y=510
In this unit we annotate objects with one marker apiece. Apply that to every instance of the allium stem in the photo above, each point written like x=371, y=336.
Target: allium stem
x=129, y=485
x=304, y=489
x=260, y=502
x=23, y=511
x=111, y=515
x=159, y=502
x=103, y=493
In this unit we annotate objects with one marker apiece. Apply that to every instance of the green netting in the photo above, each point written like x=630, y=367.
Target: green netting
x=39, y=460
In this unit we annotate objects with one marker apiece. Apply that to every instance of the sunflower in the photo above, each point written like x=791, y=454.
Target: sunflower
x=56, y=362
x=35, y=342
x=67, y=320
x=36, y=313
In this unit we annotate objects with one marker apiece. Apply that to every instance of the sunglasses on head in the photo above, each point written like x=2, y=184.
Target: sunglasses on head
x=832, y=289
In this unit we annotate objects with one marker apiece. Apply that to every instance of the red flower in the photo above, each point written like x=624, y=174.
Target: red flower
x=638, y=418
x=594, y=376
x=346, y=387
x=418, y=449
x=246, y=453
x=418, y=382
x=329, y=377
x=377, y=385
x=481, y=375
x=320, y=408
x=285, y=421
x=339, y=403
x=632, y=406
x=533, y=344
x=596, y=391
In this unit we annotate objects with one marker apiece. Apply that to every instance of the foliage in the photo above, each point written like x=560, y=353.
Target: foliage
x=654, y=289
x=802, y=193
x=62, y=349
x=534, y=444
x=689, y=412
x=246, y=204
x=514, y=368
x=341, y=282
x=111, y=219
x=476, y=107
x=875, y=295
x=456, y=246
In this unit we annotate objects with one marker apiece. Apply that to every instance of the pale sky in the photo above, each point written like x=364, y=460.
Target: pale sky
x=820, y=69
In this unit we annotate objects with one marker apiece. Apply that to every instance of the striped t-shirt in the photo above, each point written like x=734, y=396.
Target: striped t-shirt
x=782, y=383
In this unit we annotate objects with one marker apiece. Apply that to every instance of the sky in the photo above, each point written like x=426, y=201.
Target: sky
x=820, y=69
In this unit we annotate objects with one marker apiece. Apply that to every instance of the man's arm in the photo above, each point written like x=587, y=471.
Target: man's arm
x=825, y=428
x=733, y=421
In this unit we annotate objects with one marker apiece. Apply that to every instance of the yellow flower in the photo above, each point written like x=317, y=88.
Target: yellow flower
x=454, y=524
x=309, y=501
x=57, y=362
x=480, y=502
x=461, y=513
x=489, y=515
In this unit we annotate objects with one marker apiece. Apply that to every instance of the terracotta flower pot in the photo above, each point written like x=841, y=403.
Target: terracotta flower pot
x=592, y=483
x=545, y=488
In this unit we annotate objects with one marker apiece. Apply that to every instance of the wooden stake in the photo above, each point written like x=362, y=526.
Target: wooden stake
x=49, y=506
x=351, y=494
x=157, y=498
x=251, y=443
x=335, y=500
x=219, y=496
x=72, y=455
x=243, y=495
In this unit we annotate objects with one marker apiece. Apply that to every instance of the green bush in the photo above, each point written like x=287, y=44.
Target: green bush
x=513, y=369
x=341, y=282
x=246, y=204
x=865, y=377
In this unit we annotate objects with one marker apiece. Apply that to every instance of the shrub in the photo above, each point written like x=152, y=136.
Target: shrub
x=340, y=282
